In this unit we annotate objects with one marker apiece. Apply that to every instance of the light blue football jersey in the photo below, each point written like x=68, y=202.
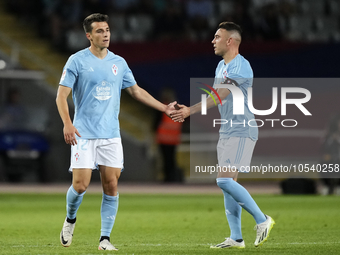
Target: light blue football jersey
x=96, y=88
x=239, y=70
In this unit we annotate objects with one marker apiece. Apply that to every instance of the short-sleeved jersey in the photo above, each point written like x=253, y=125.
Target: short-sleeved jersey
x=96, y=88
x=240, y=71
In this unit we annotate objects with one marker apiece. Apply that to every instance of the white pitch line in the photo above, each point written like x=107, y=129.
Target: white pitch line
x=316, y=243
x=182, y=244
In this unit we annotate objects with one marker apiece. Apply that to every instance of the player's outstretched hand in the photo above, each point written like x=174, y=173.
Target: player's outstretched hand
x=70, y=133
x=170, y=108
x=181, y=114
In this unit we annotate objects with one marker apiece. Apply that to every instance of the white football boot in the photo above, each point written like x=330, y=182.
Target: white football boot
x=229, y=243
x=66, y=234
x=106, y=245
x=263, y=230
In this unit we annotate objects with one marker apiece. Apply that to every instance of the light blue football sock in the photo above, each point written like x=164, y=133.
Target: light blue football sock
x=73, y=201
x=233, y=212
x=108, y=213
x=242, y=197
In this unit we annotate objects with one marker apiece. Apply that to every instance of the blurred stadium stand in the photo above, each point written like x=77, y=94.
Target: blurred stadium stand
x=166, y=43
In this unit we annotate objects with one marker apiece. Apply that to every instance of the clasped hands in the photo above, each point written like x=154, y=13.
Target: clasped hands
x=177, y=112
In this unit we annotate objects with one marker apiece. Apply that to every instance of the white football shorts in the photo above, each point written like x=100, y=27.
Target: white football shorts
x=235, y=152
x=90, y=153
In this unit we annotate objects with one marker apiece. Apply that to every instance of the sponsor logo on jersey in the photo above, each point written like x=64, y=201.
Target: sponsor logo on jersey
x=103, y=91
x=115, y=69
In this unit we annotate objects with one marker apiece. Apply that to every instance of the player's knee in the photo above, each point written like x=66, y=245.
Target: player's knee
x=80, y=190
x=223, y=182
x=112, y=183
x=110, y=187
x=80, y=187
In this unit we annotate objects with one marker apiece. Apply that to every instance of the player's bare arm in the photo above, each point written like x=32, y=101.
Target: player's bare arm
x=185, y=111
x=144, y=97
x=69, y=130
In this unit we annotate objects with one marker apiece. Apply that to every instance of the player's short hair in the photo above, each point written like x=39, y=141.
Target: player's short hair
x=95, y=17
x=230, y=26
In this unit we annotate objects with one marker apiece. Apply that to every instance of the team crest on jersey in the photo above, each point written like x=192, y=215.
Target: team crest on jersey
x=225, y=74
x=63, y=75
x=115, y=69
x=102, y=91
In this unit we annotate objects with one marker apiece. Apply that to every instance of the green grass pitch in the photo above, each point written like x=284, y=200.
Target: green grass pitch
x=168, y=224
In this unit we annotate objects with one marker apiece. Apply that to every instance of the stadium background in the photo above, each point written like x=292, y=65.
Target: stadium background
x=165, y=44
